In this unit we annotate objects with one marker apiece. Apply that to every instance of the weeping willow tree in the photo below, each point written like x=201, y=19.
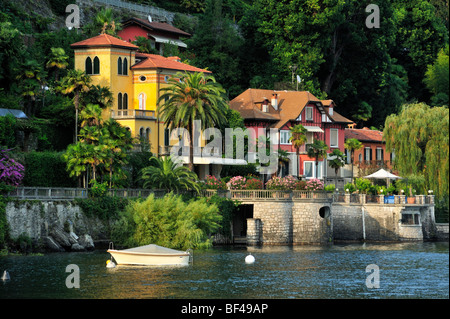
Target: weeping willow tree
x=419, y=137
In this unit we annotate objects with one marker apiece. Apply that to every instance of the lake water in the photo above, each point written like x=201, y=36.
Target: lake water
x=406, y=270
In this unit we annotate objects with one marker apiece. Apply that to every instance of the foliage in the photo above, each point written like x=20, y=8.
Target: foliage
x=227, y=209
x=211, y=182
x=104, y=207
x=11, y=172
x=4, y=227
x=168, y=222
x=363, y=185
x=282, y=183
x=437, y=78
x=46, y=169
x=412, y=185
x=300, y=186
x=237, y=183
x=318, y=151
x=330, y=188
x=169, y=175
x=314, y=184
x=254, y=183
x=419, y=135
x=350, y=188
x=7, y=131
x=190, y=97
x=239, y=170
x=98, y=189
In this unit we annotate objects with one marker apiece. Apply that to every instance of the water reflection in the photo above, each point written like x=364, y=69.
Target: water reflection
x=407, y=270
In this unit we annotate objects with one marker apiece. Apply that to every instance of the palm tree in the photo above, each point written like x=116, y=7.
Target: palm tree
x=298, y=138
x=352, y=144
x=58, y=60
x=337, y=162
x=105, y=19
x=318, y=151
x=31, y=75
x=283, y=158
x=75, y=82
x=166, y=174
x=190, y=97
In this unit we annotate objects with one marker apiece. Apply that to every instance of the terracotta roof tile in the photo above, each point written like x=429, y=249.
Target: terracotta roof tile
x=160, y=26
x=104, y=40
x=153, y=61
x=364, y=134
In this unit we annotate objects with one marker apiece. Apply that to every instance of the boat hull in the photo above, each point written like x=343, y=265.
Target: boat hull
x=148, y=259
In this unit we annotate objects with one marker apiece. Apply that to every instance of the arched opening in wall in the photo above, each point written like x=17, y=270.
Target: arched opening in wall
x=240, y=223
x=324, y=212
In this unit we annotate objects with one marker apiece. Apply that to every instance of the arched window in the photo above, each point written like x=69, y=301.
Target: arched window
x=88, y=65
x=125, y=101
x=147, y=133
x=96, y=65
x=125, y=66
x=141, y=132
x=119, y=101
x=142, y=101
x=119, y=66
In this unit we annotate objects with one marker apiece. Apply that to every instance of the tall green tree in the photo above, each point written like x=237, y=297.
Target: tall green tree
x=298, y=138
x=75, y=82
x=337, y=162
x=352, y=144
x=318, y=151
x=437, y=78
x=58, y=61
x=419, y=136
x=190, y=97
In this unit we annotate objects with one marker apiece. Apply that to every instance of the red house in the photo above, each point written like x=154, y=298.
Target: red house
x=283, y=109
x=160, y=33
x=372, y=156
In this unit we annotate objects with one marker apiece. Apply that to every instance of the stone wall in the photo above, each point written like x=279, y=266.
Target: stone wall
x=374, y=222
x=54, y=225
x=289, y=222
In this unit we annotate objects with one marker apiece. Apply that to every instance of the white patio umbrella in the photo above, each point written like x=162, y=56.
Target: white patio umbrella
x=383, y=174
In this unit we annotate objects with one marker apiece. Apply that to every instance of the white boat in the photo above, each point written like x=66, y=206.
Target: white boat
x=150, y=255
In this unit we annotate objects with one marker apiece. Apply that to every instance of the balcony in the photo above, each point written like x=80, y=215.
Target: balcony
x=133, y=114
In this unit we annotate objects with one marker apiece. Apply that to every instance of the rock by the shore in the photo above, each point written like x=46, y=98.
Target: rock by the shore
x=52, y=244
x=86, y=241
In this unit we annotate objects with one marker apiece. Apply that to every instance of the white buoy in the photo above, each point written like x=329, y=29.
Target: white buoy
x=249, y=259
x=5, y=276
x=110, y=264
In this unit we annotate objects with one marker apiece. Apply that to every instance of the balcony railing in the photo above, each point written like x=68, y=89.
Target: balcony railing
x=133, y=114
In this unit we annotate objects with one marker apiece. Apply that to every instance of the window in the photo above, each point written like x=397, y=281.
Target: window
x=142, y=78
x=367, y=154
x=119, y=65
x=88, y=65
x=309, y=169
x=380, y=155
x=309, y=113
x=334, y=141
x=410, y=219
x=360, y=158
x=309, y=137
x=147, y=133
x=125, y=66
x=96, y=65
x=166, y=137
x=119, y=101
x=141, y=133
x=285, y=136
x=125, y=101
x=142, y=101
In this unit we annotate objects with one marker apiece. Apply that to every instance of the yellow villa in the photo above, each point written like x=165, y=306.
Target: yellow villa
x=135, y=79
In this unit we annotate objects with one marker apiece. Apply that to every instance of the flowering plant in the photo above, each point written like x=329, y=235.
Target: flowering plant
x=212, y=182
x=254, y=183
x=279, y=183
x=11, y=172
x=300, y=186
x=237, y=182
x=314, y=184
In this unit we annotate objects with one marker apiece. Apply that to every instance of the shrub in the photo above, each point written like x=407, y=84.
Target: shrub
x=237, y=182
x=254, y=183
x=314, y=184
x=167, y=221
x=282, y=183
x=330, y=188
x=350, y=188
x=363, y=185
x=300, y=185
x=11, y=172
x=212, y=182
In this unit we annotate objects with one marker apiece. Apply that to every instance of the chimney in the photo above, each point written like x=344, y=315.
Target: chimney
x=174, y=58
x=275, y=101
